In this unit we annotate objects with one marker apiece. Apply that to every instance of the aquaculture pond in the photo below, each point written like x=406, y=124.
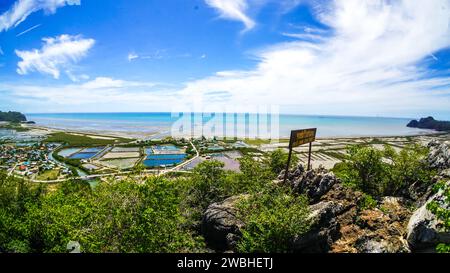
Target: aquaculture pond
x=93, y=150
x=82, y=155
x=68, y=152
x=165, y=148
x=164, y=159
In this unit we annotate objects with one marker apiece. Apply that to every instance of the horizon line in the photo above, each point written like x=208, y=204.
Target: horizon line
x=234, y=113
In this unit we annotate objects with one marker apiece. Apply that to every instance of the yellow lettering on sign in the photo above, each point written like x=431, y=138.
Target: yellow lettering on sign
x=301, y=137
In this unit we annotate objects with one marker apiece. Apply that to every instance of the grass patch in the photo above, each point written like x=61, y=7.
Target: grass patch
x=83, y=140
x=48, y=175
x=14, y=126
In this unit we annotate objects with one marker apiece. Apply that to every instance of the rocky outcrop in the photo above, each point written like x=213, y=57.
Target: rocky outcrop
x=324, y=229
x=430, y=123
x=313, y=183
x=220, y=226
x=376, y=230
x=339, y=222
x=439, y=156
x=425, y=231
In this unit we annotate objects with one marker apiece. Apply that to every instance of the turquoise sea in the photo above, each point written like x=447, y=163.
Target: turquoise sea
x=328, y=126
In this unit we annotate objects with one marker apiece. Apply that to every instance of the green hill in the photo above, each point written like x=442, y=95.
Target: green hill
x=12, y=116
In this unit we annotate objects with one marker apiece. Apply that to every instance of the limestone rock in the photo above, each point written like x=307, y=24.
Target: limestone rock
x=313, y=183
x=324, y=228
x=220, y=226
x=424, y=229
x=439, y=156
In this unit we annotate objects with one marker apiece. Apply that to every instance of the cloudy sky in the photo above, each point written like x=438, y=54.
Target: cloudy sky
x=349, y=57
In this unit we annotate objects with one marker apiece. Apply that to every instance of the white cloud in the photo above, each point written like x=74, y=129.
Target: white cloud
x=100, y=94
x=234, y=10
x=132, y=56
x=373, y=61
x=56, y=54
x=23, y=8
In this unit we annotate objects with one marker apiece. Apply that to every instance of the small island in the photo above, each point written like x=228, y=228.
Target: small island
x=430, y=123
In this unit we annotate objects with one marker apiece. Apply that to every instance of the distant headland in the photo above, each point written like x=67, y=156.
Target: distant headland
x=430, y=123
x=12, y=116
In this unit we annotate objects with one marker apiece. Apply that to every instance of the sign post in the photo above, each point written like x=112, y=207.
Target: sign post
x=300, y=137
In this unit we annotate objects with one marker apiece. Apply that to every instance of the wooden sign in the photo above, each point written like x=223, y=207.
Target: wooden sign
x=300, y=137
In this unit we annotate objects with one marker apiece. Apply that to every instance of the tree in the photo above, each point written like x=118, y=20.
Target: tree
x=276, y=161
x=207, y=184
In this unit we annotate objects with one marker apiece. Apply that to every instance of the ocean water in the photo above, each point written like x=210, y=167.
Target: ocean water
x=161, y=124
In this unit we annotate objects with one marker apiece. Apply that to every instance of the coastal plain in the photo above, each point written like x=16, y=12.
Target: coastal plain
x=95, y=155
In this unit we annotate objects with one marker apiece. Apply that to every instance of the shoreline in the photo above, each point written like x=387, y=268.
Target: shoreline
x=139, y=135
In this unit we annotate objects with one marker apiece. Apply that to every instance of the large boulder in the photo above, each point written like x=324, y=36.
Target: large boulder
x=324, y=228
x=220, y=226
x=425, y=231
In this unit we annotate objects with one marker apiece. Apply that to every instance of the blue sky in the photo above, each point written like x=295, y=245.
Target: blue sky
x=353, y=57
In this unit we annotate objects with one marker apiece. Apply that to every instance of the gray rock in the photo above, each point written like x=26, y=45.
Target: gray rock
x=424, y=230
x=367, y=245
x=313, y=183
x=220, y=226
x=324, y=228
x=439, y=156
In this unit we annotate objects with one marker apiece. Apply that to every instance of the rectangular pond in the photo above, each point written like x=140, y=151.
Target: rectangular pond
x=93, y=150
x=162, y=148
x=68, y=152
x=164, y=159
x=82, y=155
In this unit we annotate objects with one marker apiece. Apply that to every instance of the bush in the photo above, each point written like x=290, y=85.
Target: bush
x=367, y=202
x=406, y=167
x=364, y=169
x=276, y=161
x=442, y=213
x=118, y=216
x=384, y=172
x=272, y=219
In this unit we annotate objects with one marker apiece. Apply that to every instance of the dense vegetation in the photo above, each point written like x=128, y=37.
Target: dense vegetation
x=83, y=140
x=272, y=218
x=115, y=217
x=12, y=116
x=16, y=126
x=158, y=215
x=384, y=172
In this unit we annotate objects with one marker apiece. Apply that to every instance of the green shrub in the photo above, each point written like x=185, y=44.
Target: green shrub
x=276, y=161
x=117, y=216
x=442, y=213
x=384, y=172
x=367, y=202
x=406, y=167
x=272, y=219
